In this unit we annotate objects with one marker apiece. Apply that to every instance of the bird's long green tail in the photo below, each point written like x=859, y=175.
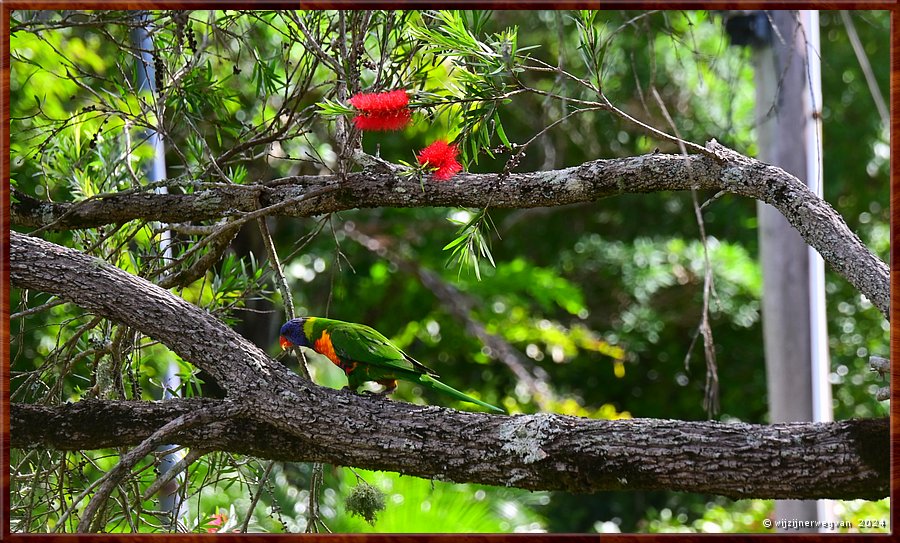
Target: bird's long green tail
x=447, y=389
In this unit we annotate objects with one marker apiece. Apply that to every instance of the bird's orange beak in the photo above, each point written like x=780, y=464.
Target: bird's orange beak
x=284, y=342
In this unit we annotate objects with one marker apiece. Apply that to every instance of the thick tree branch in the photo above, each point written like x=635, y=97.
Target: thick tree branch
x=819, y=224
x=287, y=418
x=847, y=459
x=110, y=292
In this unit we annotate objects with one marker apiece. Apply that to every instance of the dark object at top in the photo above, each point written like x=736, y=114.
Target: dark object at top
x=748, y=28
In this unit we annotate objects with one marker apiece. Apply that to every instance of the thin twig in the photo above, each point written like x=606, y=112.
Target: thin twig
x=221, y=241
x=247, y=217
x=313, y=45
x=255, y=499
x=513, y=160
x=659, y=133
x=192, y=456
x=110, y=479
x=866, y=67
x=277, y=271
x=711, y=389
x=281, y=284
x=315, y=483
x=37, y=309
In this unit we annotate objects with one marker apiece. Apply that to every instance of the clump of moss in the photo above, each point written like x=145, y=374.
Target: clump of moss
x=365, y=501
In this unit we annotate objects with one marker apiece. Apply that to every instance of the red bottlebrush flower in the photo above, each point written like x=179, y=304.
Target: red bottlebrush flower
x=395, y=120
x=380, y=102
x=382, y=110
x=441, y=155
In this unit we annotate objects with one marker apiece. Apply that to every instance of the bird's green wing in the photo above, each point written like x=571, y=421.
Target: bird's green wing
x=363, y=344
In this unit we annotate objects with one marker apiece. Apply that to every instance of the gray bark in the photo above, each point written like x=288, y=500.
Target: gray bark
x=847, y=459
x=816, y=221
x=280, y=416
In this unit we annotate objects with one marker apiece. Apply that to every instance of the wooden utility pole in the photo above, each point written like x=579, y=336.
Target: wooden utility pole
x=788, y=135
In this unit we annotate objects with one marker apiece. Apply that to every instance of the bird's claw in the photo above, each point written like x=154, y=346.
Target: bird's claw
x=368, y=393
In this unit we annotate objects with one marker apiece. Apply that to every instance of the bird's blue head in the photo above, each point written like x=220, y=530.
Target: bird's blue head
x=292, y=334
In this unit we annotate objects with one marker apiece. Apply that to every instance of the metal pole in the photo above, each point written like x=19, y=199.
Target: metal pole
x=797, y=367
x=169, y=500
x=823, y=410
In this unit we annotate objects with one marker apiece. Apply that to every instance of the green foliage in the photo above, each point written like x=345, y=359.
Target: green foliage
x=531, y=284
x=470, y=243
x=758, y=516
x=601, y=299
x=50, y=471
x=330, y=108
x=590, y=47
x=413, y=505
x=481, y=79
x=740, y=516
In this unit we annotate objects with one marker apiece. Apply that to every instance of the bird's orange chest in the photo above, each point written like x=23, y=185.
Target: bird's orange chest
x=325, y=347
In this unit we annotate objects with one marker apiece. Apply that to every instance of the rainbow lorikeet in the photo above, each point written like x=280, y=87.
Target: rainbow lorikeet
x=365, y=355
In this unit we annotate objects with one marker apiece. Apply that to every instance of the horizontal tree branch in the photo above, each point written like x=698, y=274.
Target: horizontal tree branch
x=284, y=417
x=846, y=460
x=819, y=224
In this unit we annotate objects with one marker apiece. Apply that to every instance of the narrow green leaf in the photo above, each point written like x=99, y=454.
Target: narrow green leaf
x=498, y=126
x=455, y=242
